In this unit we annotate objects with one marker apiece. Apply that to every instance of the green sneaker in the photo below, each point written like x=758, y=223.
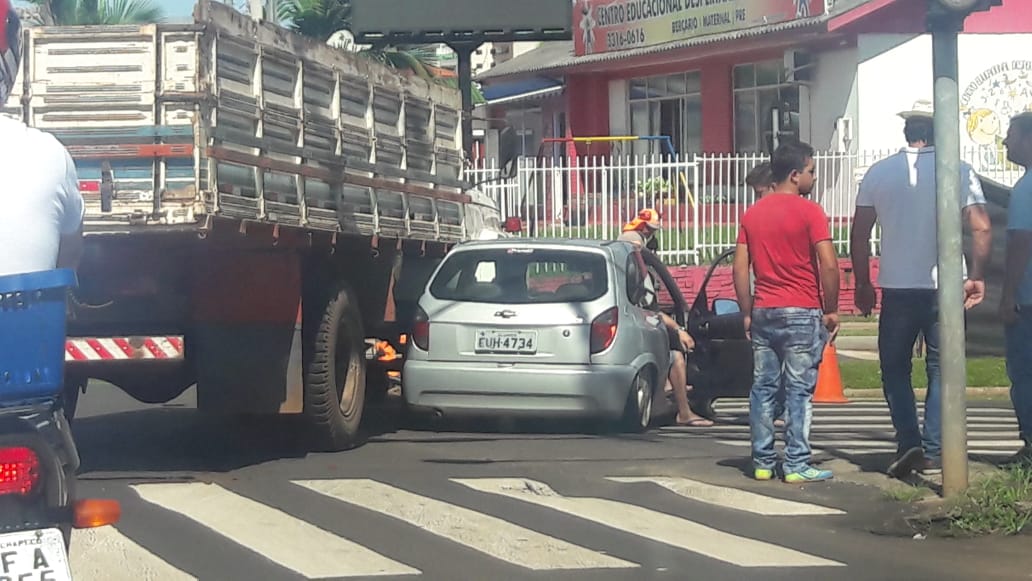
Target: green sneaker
x=810, y=474
x=763, y=474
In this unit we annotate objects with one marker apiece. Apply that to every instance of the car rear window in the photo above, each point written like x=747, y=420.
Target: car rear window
x=521, y=276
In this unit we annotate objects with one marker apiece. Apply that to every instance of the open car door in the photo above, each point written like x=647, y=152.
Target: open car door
x=722, y=364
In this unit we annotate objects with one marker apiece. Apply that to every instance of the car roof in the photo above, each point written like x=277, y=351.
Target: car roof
x=575, y=244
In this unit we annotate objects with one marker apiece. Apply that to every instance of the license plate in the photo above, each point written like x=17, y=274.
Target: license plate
x=519, y=342
x=34, y=556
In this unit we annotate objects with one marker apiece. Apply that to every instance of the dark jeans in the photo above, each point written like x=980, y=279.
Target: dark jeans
x=787, y=347
x=905, y=313
x=1019, y=369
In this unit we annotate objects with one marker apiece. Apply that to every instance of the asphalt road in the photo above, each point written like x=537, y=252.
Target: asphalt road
x=204, y=498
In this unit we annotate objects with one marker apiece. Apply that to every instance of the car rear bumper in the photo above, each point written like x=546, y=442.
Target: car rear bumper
x=534, y=390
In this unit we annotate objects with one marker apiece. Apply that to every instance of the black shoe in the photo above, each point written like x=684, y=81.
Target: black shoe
x=1023, y=457
x=931, y=466
x=906, y=462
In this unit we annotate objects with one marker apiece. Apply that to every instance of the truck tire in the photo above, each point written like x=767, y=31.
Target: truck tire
x=334, y=355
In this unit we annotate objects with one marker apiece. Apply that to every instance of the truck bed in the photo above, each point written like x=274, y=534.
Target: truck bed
x=174, y=125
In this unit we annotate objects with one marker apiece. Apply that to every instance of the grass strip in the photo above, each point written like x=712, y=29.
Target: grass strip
x=981, y=372
x=999, y=503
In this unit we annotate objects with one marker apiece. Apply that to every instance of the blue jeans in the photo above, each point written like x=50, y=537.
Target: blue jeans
x=904, y=314
x=1019, y=369
x=788, y=344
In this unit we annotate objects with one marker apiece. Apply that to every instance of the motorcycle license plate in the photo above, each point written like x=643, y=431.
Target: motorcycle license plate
x=34, y=556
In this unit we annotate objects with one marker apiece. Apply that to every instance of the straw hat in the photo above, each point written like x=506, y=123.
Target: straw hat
x=922, y=109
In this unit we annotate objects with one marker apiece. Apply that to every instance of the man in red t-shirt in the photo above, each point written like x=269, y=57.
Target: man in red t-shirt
x=785, y=240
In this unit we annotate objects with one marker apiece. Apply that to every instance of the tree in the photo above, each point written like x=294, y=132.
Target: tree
x=321, y=19
x=78, y=12
x=318, y=19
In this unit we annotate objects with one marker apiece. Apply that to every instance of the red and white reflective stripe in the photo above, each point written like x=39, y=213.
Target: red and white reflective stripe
x=85, y=349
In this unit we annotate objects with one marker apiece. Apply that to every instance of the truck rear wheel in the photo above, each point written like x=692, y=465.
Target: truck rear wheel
x=334, y=354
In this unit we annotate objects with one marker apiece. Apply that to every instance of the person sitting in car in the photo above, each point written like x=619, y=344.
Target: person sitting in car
x=642, y=233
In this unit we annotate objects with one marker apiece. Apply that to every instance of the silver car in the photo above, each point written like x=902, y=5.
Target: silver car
x=538, y=328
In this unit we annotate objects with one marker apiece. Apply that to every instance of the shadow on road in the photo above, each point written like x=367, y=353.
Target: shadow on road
x=171, y=440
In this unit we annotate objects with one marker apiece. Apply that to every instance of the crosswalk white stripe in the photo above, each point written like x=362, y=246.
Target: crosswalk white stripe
x=885, y=419
x=975, y=427
x=273, y=534
x=850, y=409
x=105, y=554
x=732, y=497
x=656, y=526
x=981, y=448
x=487, y=534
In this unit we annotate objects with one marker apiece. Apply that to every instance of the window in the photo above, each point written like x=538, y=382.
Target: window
x=669, y=105
x=635, y=278
x=521, y=276
x=765, y=105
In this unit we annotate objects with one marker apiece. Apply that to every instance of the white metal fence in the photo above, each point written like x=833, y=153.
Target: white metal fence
x=701, y=198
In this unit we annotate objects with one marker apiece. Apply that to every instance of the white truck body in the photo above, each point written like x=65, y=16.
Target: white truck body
x=228, y=117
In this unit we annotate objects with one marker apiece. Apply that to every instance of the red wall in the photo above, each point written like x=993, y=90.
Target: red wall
x=1012, y=16
x=587, y=103
x=908, y=17
x=690, y=278
x=717, y=108
x=588, y=98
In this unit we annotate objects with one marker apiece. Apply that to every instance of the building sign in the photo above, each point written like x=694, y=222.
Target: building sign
x=987, y=103
x=601, y=26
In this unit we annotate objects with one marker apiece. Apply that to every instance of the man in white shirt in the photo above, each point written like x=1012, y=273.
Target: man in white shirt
x=41, y=209
x=899, y=193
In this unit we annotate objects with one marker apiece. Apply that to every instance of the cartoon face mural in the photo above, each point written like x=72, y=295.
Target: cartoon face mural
x=989, y=101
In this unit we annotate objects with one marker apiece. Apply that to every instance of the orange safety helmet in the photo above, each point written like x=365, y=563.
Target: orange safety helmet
x=648, y=218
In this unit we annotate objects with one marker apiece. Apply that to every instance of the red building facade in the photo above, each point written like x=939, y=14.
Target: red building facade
x=730, y=77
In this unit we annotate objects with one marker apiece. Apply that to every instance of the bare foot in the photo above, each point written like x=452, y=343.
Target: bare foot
x=693, y=421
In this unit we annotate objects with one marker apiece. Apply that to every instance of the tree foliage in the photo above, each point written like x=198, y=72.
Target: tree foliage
x=79, y=12
x=321, y=19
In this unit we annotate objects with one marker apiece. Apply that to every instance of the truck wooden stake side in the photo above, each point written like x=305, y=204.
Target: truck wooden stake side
x=259, y=207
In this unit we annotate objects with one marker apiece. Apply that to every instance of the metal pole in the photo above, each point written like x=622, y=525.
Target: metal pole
x=951, y=254
x=464, y=52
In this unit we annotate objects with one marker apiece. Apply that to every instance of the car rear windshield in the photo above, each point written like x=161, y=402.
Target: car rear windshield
x=521, y=276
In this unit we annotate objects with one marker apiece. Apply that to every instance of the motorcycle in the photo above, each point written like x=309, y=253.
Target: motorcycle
x=38, y=458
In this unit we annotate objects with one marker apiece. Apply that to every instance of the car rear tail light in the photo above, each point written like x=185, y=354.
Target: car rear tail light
x=603, y=330
x=19, y=471
x=421, y=330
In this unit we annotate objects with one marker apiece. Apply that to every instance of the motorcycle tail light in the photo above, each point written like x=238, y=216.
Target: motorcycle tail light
x=19, y=470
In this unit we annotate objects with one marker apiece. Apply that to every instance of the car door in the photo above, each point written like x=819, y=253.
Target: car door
x=723, y=353
x=641, y=295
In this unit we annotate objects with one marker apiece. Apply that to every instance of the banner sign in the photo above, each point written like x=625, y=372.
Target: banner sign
x=601, y=26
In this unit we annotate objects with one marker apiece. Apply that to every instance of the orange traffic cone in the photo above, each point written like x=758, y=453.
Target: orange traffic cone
x=829, y=378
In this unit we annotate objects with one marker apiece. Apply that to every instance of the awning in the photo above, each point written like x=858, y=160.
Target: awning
x=523, y=90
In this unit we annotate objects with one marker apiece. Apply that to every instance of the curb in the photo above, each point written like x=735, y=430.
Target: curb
x=972, y=393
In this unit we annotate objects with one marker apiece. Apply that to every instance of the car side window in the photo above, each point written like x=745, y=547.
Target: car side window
x=633, y=277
